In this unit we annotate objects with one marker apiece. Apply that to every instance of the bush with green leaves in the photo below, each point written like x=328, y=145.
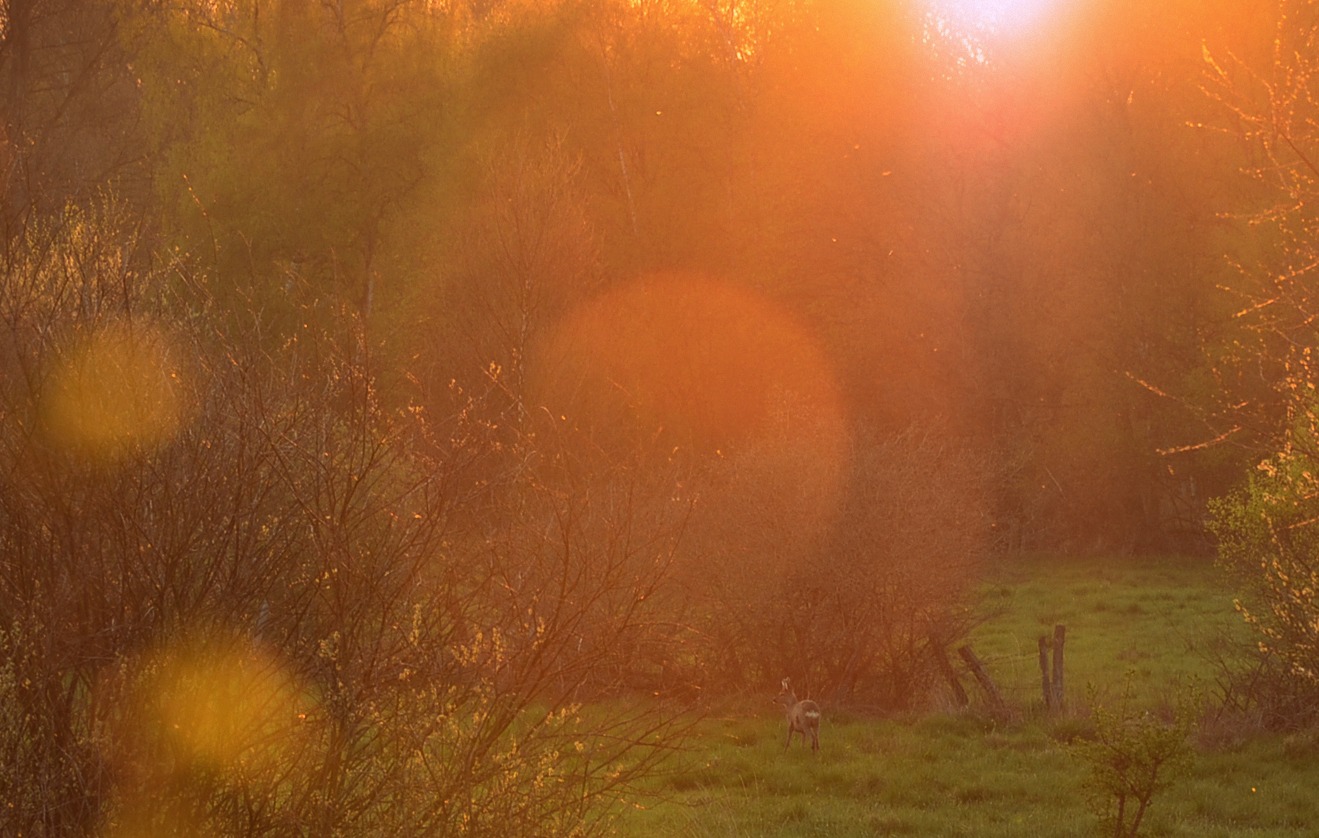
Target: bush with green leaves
x=1269, y=544
x=1134, y=754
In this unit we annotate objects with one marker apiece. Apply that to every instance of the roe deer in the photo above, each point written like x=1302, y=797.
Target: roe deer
x=803, y=717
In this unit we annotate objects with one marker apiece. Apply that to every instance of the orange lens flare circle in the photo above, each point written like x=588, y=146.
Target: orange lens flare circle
x=703, y=364
x=712, y=362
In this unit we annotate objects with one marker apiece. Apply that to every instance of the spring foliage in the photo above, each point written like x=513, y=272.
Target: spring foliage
x=1134, y=755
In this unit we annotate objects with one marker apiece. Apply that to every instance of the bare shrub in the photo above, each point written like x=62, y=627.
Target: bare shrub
x=847, y=596
x=272, y=618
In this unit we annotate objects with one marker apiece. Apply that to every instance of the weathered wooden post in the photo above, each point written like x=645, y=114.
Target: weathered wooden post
x=949, y=674
x=982, y=676
x=1051, y=683
x=1059, y=638
x=1046, y=683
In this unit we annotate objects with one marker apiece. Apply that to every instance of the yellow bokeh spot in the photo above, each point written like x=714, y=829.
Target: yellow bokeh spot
x=219, y=706
x=230, y=705
x=119, y=389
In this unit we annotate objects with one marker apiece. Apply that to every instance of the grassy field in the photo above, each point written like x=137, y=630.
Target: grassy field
x=1153, y=622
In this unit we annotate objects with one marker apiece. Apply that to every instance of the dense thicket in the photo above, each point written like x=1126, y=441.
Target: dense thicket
x=379, y=379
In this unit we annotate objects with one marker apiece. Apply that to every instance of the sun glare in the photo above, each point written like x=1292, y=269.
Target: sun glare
x=981, y=32
x=995, y=17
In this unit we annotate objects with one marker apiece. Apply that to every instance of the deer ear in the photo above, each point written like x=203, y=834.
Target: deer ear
x=785, y=683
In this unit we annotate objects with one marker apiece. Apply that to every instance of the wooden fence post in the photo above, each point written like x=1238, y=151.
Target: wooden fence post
x=1059, y=638
x=982, y=676
x=949, y=674
x=1045, y=682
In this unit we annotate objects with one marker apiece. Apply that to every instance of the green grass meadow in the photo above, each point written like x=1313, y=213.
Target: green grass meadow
x=1157, y=623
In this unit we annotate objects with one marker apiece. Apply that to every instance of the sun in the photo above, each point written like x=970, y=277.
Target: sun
x=993, y=17
x=978, y=33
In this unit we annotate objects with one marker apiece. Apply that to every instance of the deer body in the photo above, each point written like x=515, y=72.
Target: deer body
x=803, y=717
